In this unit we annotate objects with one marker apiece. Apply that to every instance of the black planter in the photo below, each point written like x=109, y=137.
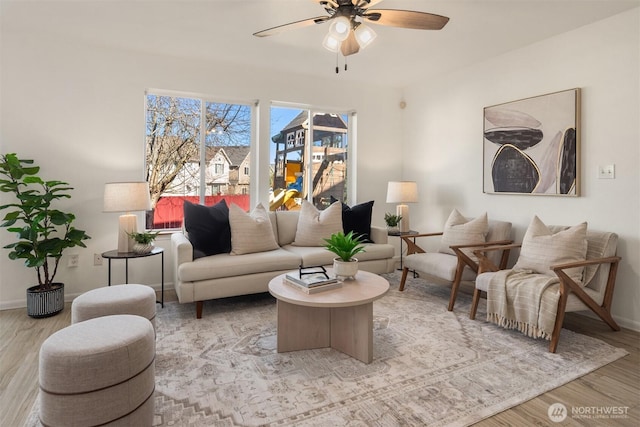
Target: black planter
x=45, y=303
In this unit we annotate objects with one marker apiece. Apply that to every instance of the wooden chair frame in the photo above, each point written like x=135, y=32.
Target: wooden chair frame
x=463, y=260
x=567, y=285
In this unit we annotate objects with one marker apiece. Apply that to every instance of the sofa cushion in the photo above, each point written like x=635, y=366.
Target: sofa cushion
x=251, y=232
x=315, y=225
x=208, y=228
x=541, y=248
x=227, y=265
x=316, y=255
x=358, y=219
x=459, y=230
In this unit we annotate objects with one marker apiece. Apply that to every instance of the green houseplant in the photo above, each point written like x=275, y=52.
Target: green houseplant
x=392, y=220
x=43, y=232
x=345, y=247
x=143, y=241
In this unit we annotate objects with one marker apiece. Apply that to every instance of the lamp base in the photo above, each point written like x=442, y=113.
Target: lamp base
x=127, y=224
x=403, y=211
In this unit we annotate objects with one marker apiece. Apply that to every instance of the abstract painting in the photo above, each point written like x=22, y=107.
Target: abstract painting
x=531, y=146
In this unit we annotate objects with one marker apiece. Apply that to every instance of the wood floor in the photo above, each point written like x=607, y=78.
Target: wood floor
x=615, y=385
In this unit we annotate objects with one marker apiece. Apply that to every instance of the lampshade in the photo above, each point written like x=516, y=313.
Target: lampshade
x=340, y=27
x=126, y=197
x=331, y=43
x=402, y=192
x=364, y=35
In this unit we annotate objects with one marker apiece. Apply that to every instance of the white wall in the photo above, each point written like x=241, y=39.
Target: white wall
x=443, y=125
x=78, y=110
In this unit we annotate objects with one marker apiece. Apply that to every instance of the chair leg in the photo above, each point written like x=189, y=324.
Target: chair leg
x=456, y=284
x=405, y=271
x=474, y=303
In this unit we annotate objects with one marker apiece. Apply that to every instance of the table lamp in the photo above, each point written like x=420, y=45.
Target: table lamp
x=126, y=197
x=402, y=192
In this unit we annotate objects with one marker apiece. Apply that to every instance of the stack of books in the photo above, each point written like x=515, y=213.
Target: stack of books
x=312, y=283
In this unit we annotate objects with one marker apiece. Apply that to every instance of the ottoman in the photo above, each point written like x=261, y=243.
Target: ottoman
x=100, y=371
x=118, y=299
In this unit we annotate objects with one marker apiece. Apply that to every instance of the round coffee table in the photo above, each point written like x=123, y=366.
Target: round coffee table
x=340, y=318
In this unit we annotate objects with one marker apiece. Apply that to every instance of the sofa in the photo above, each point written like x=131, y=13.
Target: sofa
x=197, y=279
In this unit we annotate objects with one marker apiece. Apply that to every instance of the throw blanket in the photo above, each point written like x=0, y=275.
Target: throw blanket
x=518, y=299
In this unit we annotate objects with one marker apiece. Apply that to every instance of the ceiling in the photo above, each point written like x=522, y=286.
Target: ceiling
x=221, y=30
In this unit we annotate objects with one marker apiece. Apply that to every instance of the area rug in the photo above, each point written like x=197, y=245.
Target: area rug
x=431, y=367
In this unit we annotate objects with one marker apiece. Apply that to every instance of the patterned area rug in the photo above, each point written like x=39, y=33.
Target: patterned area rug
x=431, y=367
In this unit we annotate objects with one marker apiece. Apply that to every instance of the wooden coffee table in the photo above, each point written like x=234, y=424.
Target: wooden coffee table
x=339, y=318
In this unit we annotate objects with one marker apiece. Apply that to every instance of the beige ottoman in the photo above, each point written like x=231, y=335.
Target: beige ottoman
x=100, y=371
x=118, y=299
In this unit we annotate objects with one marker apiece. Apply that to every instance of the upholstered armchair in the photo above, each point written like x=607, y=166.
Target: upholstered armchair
x=454, y=261
x=571, y=278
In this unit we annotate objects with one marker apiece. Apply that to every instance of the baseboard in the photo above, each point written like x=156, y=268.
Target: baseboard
x=22, y=303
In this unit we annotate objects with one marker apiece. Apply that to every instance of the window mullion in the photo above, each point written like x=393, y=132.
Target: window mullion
x=203, y=151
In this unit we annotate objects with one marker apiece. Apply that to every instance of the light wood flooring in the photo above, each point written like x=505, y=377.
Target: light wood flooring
x=614, y=385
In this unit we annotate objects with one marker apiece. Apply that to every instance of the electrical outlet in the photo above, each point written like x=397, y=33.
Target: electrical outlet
x=607, y=172
x=97, y=259
x=73, y=260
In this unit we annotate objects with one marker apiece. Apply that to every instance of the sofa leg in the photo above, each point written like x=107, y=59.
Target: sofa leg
x=199, y=305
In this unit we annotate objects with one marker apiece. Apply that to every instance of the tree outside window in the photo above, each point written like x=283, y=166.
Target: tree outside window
x=194, y=149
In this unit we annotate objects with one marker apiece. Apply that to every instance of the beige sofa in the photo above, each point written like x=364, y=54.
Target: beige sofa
x=226, y=275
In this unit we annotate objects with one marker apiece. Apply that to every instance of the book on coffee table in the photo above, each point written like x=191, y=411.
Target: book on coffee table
x=313, y=288
x=310, y=280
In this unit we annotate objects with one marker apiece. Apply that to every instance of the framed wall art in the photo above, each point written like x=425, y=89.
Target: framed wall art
x=532, y=146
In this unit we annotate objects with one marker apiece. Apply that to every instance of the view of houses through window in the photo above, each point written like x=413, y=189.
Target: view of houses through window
x=199, y=150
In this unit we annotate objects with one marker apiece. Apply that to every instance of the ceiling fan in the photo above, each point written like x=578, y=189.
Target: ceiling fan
x=347, y=31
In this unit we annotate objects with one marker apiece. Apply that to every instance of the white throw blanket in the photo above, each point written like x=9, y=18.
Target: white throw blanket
x=518, y=299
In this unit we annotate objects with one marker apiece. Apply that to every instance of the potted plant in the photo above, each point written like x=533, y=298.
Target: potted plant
x=345, y=247
x=43, y=232
x=392, y=222
x=143, y=241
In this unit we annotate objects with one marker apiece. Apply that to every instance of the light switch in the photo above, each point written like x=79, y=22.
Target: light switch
x=607, y=172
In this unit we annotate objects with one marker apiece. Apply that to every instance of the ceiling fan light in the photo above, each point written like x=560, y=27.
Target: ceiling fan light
x=364, y=35
x=340, y=28
x=331, y=43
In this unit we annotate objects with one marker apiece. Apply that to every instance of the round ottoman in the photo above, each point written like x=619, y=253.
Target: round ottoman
x=118, y=299
x=100, y=371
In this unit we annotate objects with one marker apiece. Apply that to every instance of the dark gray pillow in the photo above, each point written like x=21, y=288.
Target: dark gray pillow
x=208, y=228
x=358, y=219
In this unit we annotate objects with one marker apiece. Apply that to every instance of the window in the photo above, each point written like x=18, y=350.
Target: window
x=194, y=149
x=309, y=151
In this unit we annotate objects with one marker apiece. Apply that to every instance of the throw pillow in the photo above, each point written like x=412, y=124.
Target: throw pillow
x=315, y=225
x=208, y=228
x=251, y=232
x=459, y=230
x=541, y=249
x=358, y=219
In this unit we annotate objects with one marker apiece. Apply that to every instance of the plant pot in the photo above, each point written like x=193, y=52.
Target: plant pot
x=45, y=303
x=345, y=269
x=142, y=248
x=393, y=229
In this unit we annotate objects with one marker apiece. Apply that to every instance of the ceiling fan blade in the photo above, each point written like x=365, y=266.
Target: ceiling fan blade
x=406, y=19
x=350, y=45
x=291, y=26
x=365, y=3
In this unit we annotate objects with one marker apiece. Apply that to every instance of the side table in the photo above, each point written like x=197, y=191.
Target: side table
x=126, y=256
x=400, y=234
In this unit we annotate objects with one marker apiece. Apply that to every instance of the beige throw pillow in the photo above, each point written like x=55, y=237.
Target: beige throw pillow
x=459, y=230
x=315, y=225
x=250, y=232
x=541, y=249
